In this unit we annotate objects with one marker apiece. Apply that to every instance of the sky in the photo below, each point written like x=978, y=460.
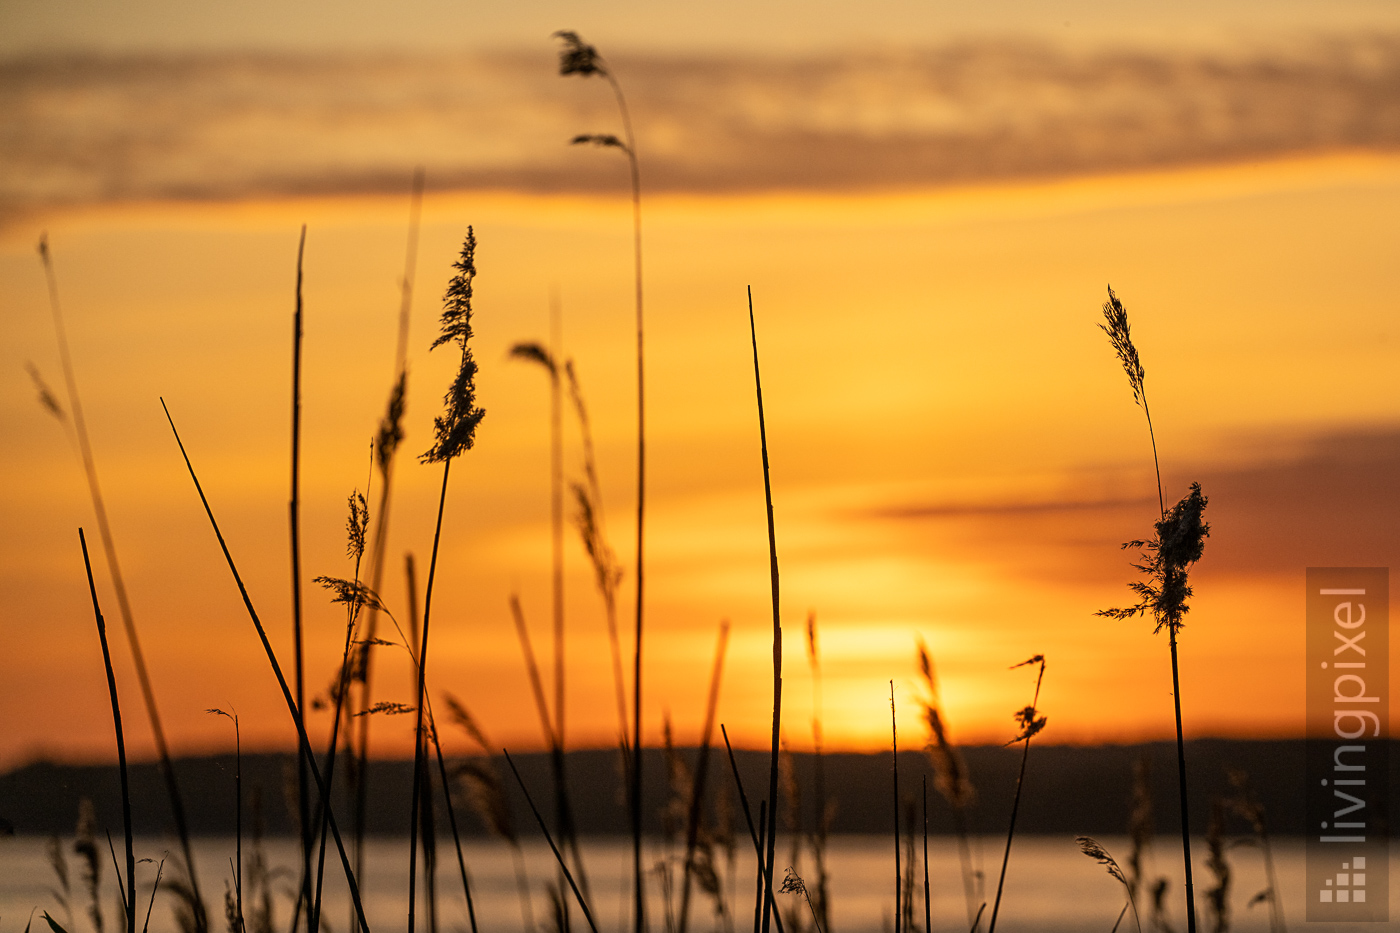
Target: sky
x=928, y=205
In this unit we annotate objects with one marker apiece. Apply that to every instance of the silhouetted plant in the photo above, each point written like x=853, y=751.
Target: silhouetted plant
x=577, y=57
x=1178, y=543
x=1099, y=854
x=1030, y=723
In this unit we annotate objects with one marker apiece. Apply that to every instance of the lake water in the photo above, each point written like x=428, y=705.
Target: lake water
x=1050, y=885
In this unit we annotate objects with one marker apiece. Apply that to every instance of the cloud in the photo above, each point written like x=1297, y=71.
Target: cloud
x=83, y=129
x=1333, y=502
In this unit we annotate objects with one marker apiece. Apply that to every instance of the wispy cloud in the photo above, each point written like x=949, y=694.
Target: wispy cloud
x=93, y=129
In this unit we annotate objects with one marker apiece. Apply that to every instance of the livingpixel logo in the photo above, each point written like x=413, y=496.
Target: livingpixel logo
x=1347, y=758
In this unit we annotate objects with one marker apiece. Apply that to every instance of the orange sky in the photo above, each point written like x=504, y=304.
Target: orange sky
x=955, y=450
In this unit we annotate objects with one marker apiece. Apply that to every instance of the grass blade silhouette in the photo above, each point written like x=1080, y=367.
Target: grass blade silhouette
x=299, y=660
x=771, y=830
x=129, y=897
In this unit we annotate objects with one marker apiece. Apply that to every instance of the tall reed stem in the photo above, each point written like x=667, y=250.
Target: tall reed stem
x=130, y=898
x=294, y=520
x=894, y=776
x=771, y=831
x=1030, y=730
x=109, y=549
x=697, y=791
x=422, y=692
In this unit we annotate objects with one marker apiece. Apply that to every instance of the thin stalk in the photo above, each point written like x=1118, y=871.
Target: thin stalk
x=894, y=774
x=294, y=519
x=109, y=549
x=452, y=821
x=928, y=907
x=558, y=856
x=1016, y=802
x=777, y=637
x=697, y=792
x=304, y=743
x=422, y=691
x=1181, y=785
x=754, y=833
x=129, y=898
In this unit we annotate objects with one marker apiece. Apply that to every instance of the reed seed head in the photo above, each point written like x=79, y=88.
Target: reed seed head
x=1179, y=543
x=356, y=525
x=353, y=593
x=577, y=57
x=1116, y=326
x=455, y=428
x=1098, y=853
x=793, y=883
x=388, y=709
x=46, y=396
x=607, y=140
x=387, y=441
x=535, y=353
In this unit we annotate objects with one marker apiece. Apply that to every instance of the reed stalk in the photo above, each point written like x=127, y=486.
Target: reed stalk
x=294, y=521
x=237, y=820
x=755, y=833
x=697, y=792
x=771, y=832
x=894, y=776
x=304, y=743
x=558, y=856
x=109, y=549
x=578, y=57
x=1178, y=544
x=455, y=433
x=1031, y=724
x=129, y=898
x=928, y=904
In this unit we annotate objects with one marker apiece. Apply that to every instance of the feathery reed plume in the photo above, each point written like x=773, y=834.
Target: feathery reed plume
x=822, y=807
x=791, y=795
x=1178, y=544
x=238, y=925
x=894, y=775
x=1218, y=897
x=558, y=856
x=387, y=442
x=793, y=884
x=767, y=864
x=59, y=864
x=1246, y=805
x=455, y=432
x=580, y=58
x=129, y=897
x=951, y=779
x=304, y=742
x=697, y=791
x=294, y=521
x=1099, y=854
x=588, y=519
x=109, y=549
x=1031, y=724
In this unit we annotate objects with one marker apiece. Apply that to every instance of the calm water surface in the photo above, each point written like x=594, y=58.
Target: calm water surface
x=1050, y=886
